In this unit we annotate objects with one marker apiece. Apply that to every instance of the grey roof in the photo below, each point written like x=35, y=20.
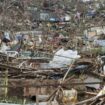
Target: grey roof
x=42, y=15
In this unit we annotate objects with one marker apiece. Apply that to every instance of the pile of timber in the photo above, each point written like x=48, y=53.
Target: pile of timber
x=22, y=77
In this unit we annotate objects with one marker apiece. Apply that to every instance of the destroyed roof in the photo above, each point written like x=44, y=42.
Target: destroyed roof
x=37, y=32
x=94, y=32
x=43, y=16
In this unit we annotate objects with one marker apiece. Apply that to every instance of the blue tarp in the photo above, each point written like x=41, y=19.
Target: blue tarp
x=100, y=42
x=54, y=19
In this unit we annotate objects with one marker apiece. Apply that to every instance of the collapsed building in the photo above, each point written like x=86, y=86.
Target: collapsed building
x=49, y=45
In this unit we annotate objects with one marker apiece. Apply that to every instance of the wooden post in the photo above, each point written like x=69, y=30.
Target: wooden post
x=37, y=99
x=6, y=79
x=6, y=83
x=24, y=101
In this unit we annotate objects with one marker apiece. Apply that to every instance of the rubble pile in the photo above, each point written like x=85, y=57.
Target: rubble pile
x=54, y=48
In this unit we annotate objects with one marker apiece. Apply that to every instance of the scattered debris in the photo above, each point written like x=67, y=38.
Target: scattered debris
x=52, y=48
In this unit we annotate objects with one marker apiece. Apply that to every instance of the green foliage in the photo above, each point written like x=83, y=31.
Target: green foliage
x=14, y=100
